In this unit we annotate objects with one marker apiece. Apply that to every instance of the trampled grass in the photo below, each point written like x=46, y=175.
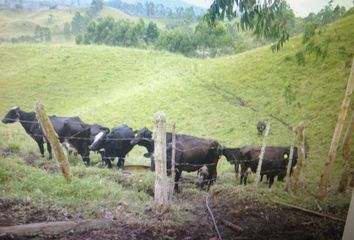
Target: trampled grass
x=220, y=98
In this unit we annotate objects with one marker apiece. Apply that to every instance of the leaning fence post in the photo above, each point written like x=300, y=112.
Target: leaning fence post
x=173, y=160
x=290, y=163
x=300, y=131
x=344, y=181
x=336, y=135
x=161, y=181
x=258, y=173
x=51, y=135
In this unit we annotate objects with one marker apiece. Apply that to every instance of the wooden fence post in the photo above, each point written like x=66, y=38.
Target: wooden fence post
x=300, y=143
x=337, y=132
x=173, y=160
x=51, y=135
x=161, y=181
x=258, y=173
x=290, y=163
x=344, y=181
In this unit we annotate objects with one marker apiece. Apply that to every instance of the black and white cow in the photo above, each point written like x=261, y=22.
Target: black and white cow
x=115, y=143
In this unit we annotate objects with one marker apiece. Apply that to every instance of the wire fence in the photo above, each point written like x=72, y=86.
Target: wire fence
x=182, y=150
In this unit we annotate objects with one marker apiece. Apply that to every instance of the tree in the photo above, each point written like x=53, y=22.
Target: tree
x=317, y=43
x=42, y=34
x=152, y=32
x=95, y=7
x=212, y=37
x=176, y=41
x=67, y=29
x=267, y=18
x=78, y=24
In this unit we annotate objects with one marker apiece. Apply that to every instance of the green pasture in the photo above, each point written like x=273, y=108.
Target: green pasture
x=221, y=98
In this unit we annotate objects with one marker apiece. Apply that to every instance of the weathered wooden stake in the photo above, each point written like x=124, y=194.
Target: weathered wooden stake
x=300, y=143
x=161, y=180
x=348, y=229
x=337, y=132
x=51, y=135
x=258, y=173
x=173, y=160
x=290, y=163
x=344, y=181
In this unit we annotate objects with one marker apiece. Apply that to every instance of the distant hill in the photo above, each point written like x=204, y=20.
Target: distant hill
x=16, y=23
x=137, y=7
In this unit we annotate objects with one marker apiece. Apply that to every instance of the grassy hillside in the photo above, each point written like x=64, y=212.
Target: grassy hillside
x=23, y=22
x=221, y=98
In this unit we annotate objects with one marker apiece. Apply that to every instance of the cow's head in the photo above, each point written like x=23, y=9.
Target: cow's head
x=12, y=116
x=232, y=155
x=99, y=141
x=142, y=136
x=261, y=126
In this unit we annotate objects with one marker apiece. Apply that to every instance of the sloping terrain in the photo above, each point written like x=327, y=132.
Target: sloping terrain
x=23, y=22
x=221, y=98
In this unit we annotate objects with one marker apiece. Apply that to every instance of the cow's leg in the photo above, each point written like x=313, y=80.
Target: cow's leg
x=261, y=177
x=40, y=143
x=212, y=176
x=152, y=166
x=86, y=160
x=108, y=162
x=85, y=155
x=49, y=149
x=243, y=172
x=271, y=180
x=236, y=170
x=120, y=163
x=177, y=176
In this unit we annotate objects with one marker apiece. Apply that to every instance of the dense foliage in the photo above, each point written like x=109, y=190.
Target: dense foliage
x=204, y=41
x=151, y=9
x=315, y=26
x=267, y=19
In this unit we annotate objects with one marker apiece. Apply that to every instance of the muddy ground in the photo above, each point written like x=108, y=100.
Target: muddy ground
x=249, y=219
x=253, y=220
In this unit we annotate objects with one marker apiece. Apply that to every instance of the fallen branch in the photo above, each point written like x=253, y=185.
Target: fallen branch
x=52, y=228
x=232, y=226
x=309, y=211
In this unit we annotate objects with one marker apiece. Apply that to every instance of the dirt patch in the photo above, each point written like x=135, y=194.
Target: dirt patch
x=253, y=220
x=15, y=212
x=259, y=221
x=29, y=158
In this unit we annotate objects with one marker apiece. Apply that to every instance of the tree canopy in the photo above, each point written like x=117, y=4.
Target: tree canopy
x=266, y=18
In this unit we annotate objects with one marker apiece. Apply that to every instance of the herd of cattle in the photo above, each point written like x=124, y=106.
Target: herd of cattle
x=192, y=153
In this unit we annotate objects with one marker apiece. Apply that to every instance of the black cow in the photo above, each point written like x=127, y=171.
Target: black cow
x=29, y=122
x=261, y=126
x=275, y=161
x=192, y=154
x=74, y=131
x=70, y=129
x=115, y=144
x=233, y=156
